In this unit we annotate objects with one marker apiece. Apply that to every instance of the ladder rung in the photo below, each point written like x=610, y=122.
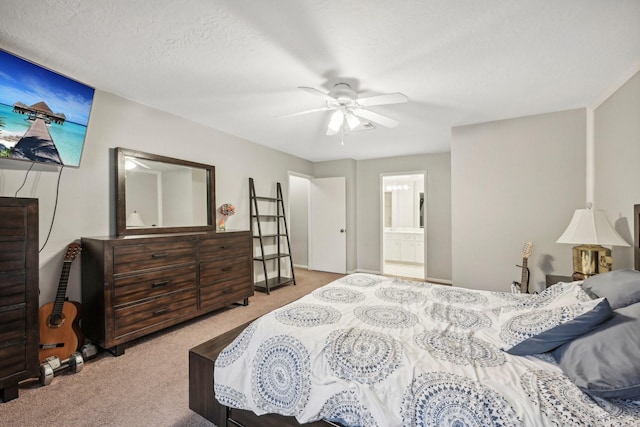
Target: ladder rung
x=270, y=256
x=270, y=235
x=268, y=199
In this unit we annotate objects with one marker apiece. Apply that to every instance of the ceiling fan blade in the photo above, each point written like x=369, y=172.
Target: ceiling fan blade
x=337, y=118
x=304, y=112
x=391, y=98
x=316, y=92
x=375, y=117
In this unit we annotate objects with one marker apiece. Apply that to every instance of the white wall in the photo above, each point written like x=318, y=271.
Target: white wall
x=86, y=202
x=299, y=190
x=617, y=157
x=438, y=211
x=515, y=181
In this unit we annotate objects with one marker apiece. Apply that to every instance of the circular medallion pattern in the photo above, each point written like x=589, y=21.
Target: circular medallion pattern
x=459, y=348
x=458, y=296
x=280, y=377
x=361, y=279
x=363, y=356
x=457, y=316
x=337, y=294
x=526, y=325
x=563, y=402
x=406, y=282
x=346, y=409
x=444, y=399
x=399, y=295
x=385, y=316
x=233, y=351
x=307, y=315
x=229, y=396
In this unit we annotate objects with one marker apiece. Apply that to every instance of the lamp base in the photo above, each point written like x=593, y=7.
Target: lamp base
x=589, y=260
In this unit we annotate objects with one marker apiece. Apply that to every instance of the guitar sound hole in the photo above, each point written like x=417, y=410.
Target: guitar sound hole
x=56, y=320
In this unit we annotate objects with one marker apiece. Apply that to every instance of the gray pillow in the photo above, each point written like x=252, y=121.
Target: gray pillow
x=620, y=287
x=605, y=362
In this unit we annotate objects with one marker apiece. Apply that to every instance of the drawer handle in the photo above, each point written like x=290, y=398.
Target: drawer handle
x=161, y=255
x=225, y=269
x=160, y=284
x=227, y=291
x=225, y=247
x=159, y=312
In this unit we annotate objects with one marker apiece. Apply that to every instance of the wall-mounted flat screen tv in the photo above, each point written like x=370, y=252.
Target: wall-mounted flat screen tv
x=43, y=115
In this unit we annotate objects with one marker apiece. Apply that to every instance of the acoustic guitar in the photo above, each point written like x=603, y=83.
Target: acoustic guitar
x=523, y=285
x=60, y=333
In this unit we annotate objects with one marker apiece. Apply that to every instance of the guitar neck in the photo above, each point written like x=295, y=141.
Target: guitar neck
x=62, y=289
x=525, y=272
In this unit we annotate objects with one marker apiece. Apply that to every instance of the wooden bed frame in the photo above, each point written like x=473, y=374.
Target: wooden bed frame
x=202, y=398
x=201, y=359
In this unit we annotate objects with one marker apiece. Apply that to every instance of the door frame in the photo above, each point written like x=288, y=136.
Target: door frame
x=381, y=211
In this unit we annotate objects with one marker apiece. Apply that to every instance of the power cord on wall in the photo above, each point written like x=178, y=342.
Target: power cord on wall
x=55, y=207
x=25, y=179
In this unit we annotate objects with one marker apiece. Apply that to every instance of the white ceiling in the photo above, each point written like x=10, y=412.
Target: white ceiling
x=235, y=65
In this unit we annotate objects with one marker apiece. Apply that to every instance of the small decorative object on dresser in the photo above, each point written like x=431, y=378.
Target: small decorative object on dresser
x=19, y=274
x=226, y=210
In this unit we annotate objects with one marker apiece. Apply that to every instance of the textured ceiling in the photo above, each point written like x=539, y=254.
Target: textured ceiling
x=234, y=65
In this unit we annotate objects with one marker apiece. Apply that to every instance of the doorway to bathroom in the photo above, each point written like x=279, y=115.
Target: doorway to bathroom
x=403, y=225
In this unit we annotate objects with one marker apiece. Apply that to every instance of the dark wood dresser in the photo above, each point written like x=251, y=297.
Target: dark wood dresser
x=135, y=285
x=19, y=272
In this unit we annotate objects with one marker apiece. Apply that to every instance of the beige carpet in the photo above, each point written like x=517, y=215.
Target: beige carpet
x=148, y=385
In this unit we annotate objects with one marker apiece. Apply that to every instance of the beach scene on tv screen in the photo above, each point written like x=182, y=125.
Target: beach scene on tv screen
x=43, y=115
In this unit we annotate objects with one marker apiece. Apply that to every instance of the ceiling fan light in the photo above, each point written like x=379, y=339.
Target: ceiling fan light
x=352, y=121
x=337, y=118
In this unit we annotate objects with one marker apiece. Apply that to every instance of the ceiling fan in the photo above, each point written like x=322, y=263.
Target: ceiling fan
x=347, y=107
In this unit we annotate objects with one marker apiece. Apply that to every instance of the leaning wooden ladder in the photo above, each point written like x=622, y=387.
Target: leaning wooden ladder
x=277, y=238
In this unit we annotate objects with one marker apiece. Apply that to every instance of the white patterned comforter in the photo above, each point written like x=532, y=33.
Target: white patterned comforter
x=367, y=350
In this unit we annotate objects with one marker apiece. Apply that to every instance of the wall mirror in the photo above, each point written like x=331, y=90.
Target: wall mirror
x=158, y=194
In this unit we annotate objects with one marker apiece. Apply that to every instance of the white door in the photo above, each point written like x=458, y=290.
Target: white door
x=327, y=225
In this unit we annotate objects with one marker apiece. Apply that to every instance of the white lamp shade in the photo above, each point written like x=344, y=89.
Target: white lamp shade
x=134, y=220
x=591, y=227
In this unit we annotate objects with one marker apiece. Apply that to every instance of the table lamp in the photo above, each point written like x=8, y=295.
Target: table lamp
x=589, y=229
x=134, y=220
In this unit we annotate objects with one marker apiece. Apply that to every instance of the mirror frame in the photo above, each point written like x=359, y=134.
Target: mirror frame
x=121, y=209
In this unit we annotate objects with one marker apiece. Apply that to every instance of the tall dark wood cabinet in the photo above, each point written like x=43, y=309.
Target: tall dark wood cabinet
x=135, y=285
x=19, y=272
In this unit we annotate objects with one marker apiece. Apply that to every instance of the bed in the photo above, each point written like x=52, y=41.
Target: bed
x=368, y=350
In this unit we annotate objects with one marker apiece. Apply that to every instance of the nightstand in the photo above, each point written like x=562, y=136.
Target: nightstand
x=552, y=279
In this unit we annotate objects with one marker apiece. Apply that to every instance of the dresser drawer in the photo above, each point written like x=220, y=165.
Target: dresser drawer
x=134, y=317
x=228, y=246
x=218, y=271
x=140, y=286
x=13, y=288
x=12, y=255
x=13, y=325
x=226, y=292
x=12, y=360
x=13, y=221
x=130, y=258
